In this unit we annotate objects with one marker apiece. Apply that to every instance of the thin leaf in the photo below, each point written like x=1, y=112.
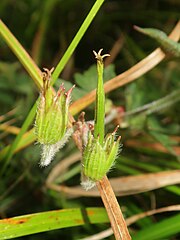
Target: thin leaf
x=167, y=44
x=21, y=54
x=76, y=39
x=46, y=221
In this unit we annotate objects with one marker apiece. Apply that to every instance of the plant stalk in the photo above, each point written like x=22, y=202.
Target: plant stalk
x=113, y=209
x=100, y=104
x=116, y=218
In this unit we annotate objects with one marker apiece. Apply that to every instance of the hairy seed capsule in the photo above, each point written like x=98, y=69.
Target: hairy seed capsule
x=97, y=159
x=52, y=121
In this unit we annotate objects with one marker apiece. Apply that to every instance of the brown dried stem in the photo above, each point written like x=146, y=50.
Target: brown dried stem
x=118, y=223
x=123, y=186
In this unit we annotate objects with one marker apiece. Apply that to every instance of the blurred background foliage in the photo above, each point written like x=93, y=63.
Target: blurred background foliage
x=45, y=29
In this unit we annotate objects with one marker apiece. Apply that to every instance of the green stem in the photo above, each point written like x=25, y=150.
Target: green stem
x=76, y=39
x=100, y=104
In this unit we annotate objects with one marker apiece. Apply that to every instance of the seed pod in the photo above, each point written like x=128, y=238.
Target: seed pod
x=97, y=159
x=52, y=121
x=99, y=154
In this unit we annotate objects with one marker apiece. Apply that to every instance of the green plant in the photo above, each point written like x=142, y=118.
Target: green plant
x=146, y=131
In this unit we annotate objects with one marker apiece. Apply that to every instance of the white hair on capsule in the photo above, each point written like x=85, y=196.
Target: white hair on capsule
x=49, y=150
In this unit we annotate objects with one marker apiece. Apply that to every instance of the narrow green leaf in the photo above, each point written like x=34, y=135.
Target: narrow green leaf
x=174, y=189
x=161, y=230
x=97, y=215
x=21, y=54
x=76, y=39
x=166, y=43
x=46, y=221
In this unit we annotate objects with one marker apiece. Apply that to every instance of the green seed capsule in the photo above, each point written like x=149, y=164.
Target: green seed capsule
x=52, y=121
x=99, y=154
x=97, y=159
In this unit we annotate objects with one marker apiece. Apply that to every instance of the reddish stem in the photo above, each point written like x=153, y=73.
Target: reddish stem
x=118, y=223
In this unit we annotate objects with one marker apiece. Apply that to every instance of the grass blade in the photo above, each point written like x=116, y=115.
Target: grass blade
x=21, y=54
x=29, y=224
x=76, y=39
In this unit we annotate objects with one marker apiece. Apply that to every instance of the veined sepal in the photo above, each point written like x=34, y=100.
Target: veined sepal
x=98, y=159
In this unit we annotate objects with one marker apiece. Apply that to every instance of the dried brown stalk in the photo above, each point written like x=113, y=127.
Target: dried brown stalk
x=6, y=127
x=131, y=185
x=8, y=114
x=117, y=221
x=116, y=218
x=124, y=186
x=135, y=143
